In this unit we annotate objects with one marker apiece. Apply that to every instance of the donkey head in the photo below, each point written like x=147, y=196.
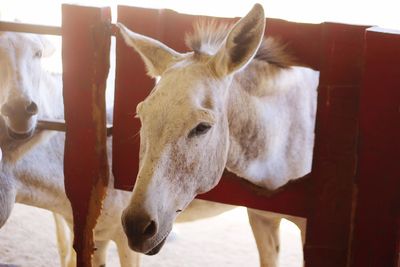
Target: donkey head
x=184, y=138
x=20, y=75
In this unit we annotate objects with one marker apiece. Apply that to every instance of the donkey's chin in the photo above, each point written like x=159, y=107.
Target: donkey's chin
x=157, y=248
x=150, y=249
x=19, y=135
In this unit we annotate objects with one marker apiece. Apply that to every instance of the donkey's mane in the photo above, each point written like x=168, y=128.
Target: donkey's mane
x=208, y=35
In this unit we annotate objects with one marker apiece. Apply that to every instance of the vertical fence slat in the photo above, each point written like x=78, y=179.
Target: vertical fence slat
x=132, y=85
x=335, y=153
x=378, y=210
x=86, y=47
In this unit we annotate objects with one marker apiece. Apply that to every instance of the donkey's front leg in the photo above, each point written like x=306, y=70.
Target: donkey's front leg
x=265, y=228
x=65, y=239
x=127, y=257
x=301, y=223
x=100, y=254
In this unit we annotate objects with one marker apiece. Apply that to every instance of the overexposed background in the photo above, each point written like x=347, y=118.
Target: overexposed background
x=382, y=13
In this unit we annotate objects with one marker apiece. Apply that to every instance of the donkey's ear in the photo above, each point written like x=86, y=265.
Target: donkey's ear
x=48, y=47
x=241, y=43
x=156, y=55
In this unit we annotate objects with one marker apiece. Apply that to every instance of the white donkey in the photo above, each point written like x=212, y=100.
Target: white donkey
x=32, y=165
x=236, y=102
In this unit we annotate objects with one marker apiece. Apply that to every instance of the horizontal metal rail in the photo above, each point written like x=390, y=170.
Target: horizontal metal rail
x=29, y=28
x=60, y=126
x=39, y=29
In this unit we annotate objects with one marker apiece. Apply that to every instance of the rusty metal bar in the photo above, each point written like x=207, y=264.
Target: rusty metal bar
x=39, y=29
x=29, y=28
x=51, y=125
x=60, y=126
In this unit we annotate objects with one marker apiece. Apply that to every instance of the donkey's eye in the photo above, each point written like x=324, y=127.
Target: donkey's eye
x=38, y=54
x=200, y=129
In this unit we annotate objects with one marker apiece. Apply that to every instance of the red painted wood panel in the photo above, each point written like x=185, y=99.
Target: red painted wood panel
x=132, y=85
x=335, y=152
x=376, y=237
x=85, y=53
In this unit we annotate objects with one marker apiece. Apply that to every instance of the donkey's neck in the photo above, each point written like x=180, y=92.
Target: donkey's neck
x=42, y=186
x=271, y=114
x=26, y=162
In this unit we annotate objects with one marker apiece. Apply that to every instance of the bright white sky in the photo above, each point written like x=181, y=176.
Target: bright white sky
x=384, y=13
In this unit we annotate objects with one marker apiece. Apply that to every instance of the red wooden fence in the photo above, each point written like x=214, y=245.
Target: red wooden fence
x=376, y=225
x=352, y=197
x=85, y=52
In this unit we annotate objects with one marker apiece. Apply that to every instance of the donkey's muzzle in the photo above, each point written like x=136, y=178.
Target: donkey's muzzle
x=140, y=229
x=19, y=117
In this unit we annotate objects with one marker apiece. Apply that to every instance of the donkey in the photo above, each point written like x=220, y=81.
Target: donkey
x=237, y=102
x=31, y=171
x=32, y=165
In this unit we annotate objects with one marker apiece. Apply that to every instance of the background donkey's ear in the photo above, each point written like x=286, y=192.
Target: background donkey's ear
x=241, y=44
x=48, y=47
x=156, y=55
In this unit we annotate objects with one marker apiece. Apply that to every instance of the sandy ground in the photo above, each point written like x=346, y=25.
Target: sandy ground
x=28, y=239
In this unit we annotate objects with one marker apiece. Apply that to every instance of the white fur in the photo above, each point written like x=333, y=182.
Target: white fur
x=288, y=110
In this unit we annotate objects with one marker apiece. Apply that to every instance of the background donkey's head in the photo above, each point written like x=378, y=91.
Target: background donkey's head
x=20, y=76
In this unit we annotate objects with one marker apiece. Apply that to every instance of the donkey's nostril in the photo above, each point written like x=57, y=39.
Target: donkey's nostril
x=139, y=227
x=150, y=229
x=32, y=108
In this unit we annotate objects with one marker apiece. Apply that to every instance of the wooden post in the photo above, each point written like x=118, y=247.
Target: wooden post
x=376, y=232
x=86, y=47
x=132, y=85
x=335, y=154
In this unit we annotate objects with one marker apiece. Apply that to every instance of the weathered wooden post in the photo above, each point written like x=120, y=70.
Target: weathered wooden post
x=377, y=219
x=86, y=47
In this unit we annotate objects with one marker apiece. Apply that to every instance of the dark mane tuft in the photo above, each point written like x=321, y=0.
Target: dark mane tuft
x=208, y=35
x=275, y=52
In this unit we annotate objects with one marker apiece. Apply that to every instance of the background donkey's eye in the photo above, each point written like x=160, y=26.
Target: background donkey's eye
x=38, y=54
x=200, y=129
